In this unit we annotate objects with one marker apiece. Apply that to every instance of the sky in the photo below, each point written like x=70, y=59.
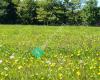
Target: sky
x=82, y=1
x=98, y=2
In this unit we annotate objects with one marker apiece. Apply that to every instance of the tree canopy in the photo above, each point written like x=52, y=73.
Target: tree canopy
x=49, y=12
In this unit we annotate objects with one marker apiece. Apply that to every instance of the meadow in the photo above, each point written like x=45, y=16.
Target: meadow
x=73, y=53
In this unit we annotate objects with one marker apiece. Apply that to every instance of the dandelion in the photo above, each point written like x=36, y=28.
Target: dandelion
x=1, y=61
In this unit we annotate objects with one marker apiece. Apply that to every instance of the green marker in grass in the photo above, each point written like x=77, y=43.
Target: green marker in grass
x=39, y=52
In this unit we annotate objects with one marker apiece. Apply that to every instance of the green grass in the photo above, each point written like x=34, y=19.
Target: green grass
x=72, y=54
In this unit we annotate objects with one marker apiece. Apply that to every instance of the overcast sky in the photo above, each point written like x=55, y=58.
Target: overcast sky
x=98, y=2
x=83, y=0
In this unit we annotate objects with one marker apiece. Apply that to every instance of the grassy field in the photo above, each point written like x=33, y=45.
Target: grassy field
x=73, y=53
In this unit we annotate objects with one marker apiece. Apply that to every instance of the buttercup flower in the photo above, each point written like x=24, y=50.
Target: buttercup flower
x=53, y=64
x=78, y=73
x=60, y=75
x=98, y=73
x=20, y=67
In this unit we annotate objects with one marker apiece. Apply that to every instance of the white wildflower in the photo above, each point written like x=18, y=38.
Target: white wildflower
x=1, y=61
x=12, y=56
x=6, y=68
x=48, y=62
x=81, y=61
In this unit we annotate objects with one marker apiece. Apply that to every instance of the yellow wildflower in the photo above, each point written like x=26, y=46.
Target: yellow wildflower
x=42, y=62
x=91, y=67
x=6, y=74
x=78, y=54
x=78, y=73
x=60, y=68
x=53, y=64
x=42, y=78
x=98, y=73
x=50, y=70
x=2, y=73
x=6, y=61
x=55, y=56
x=20, y=67
x=15, y=62
x=99, y=67
x=60, y=75
x=79, y=51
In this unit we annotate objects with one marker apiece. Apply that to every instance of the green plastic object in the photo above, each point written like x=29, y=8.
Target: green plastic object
x=37, y=52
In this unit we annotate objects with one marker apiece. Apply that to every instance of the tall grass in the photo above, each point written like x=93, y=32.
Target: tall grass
x=73, y=53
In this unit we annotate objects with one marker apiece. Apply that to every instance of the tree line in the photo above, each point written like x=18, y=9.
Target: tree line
x=49, y=12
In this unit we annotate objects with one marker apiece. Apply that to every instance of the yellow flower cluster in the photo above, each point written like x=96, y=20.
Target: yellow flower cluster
x=60, y=75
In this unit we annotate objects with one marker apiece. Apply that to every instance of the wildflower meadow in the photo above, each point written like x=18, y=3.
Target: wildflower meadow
x=72, y=53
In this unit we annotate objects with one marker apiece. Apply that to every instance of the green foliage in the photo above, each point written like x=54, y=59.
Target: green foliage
x=49, y=12
x=11, y=13
x=89, y=12
x=3, y=6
